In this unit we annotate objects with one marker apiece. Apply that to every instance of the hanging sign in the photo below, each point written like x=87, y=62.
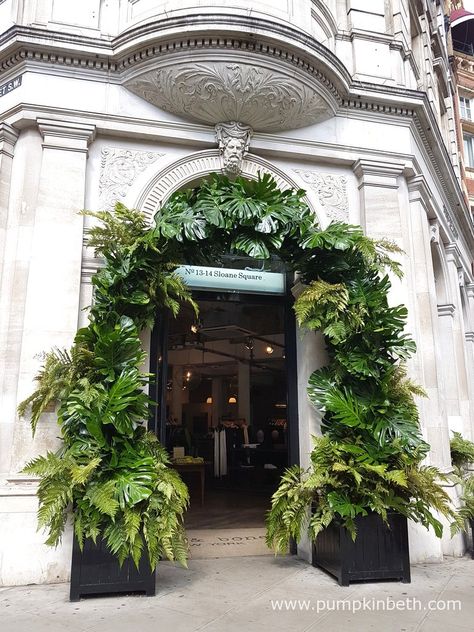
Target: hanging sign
x=232, y=280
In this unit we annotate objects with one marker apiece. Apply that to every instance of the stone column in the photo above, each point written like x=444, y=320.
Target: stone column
x=311, y=355
x=52, y=305
x=23, y=188
x=469, y=341
x=8, y=138
x=430, y=361
x=381, y=214
x=392, y=209
x=39, y=309
x=446, y=342
x=432, y=409
x=459, y=367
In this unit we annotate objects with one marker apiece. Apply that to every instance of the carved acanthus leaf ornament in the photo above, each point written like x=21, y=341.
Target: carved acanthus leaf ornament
x=118, y=170
x=212, y=92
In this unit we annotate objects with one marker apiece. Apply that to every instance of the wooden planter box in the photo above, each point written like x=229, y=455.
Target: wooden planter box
x=95, y=571
x=378, y=552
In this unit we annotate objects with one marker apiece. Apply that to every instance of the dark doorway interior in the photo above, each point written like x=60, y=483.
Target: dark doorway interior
x=225, y=406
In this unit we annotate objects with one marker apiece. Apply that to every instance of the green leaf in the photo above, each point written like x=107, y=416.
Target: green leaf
x=345, y=407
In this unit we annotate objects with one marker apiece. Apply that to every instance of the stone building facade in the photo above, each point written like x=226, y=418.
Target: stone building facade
x=109, y=100
x=461, y=46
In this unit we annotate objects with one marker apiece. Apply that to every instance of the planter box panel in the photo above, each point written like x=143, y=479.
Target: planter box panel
x=378, y=552
x=95, y=571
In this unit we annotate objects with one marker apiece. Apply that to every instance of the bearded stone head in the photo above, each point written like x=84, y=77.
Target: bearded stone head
x=234, y=140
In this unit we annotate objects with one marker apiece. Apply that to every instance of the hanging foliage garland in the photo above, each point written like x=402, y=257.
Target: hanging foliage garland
x=116, y=476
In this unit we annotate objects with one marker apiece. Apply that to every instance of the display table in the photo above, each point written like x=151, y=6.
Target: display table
x=198, y=468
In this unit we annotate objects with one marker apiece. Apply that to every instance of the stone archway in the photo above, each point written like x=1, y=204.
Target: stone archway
x=198, y=165
x=310, y=347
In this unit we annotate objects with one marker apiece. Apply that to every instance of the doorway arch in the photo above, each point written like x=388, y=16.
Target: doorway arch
x=346, y=297
x=188, y=170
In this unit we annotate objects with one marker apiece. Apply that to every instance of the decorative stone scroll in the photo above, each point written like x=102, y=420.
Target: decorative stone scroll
x=331, y=191
x=118, y=170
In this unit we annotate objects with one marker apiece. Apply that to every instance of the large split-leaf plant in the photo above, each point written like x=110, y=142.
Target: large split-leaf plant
x=114, y=475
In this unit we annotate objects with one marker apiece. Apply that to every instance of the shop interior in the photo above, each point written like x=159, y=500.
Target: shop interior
x=226, y=407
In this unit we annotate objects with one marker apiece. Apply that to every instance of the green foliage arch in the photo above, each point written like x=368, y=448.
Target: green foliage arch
x=116, y=476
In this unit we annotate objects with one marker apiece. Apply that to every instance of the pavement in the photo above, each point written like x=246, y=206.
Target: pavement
x=255, y=594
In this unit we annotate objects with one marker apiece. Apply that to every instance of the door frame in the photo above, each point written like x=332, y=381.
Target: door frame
x=159, y=363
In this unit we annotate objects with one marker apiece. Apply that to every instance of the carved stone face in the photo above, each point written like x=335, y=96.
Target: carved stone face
x=233, y=154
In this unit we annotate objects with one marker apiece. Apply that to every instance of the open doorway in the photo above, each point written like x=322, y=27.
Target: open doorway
x=227, y=414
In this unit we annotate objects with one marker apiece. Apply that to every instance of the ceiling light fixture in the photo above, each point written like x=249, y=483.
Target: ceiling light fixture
x=196, y=326
x=232, y=399
x=269, y=349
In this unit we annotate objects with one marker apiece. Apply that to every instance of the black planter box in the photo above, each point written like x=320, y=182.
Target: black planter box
x=95, y=571
x=471, y=522
x=379, y=552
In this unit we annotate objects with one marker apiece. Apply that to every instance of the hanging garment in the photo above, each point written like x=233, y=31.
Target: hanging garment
x=216, y=454
x=223, y=453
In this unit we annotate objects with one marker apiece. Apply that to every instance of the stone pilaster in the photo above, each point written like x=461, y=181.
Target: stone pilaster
x=433, y=415
x=8, y=138
x=469, y=338
x=51, y=306
x=460, y=415
x=430, y=362
x=382, y=216
x=469, y=348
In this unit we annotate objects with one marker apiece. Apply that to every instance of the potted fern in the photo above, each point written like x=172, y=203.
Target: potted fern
x=110, y=475
x=366, y=476
x=109, y=470
x=462, y=457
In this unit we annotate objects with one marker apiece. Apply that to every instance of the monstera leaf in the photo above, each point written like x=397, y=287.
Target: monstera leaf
x=124, y=405
x=135, y=479
x=116, y=347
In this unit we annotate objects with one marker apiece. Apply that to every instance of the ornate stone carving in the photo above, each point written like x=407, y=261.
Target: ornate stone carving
x=450, y=220
x=233, y=139
x=331, y=191
x=118, y=170
x=434, y=232
x=267, y=99
x=191, y=168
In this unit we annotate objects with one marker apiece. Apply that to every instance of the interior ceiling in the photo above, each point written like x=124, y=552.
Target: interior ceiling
x=216, y=316
x=227, y=333
x=228, y=368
